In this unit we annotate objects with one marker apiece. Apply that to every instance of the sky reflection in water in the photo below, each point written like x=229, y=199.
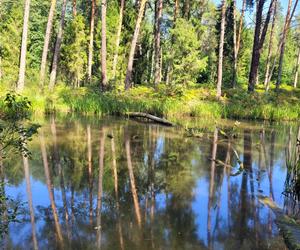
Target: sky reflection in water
x=112, y=184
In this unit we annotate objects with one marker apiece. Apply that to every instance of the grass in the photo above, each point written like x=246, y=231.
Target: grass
x=172, y=103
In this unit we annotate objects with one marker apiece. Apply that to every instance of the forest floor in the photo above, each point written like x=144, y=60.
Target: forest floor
x=172, y=102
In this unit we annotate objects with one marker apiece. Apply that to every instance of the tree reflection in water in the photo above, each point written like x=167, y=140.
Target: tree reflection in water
x=148, y=187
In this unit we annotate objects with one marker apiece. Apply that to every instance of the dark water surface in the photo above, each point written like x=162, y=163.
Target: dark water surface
x=115, y=184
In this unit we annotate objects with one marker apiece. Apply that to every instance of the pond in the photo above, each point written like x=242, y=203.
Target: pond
x=116, y=184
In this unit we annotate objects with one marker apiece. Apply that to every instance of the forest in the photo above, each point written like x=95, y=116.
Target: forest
x=150, y=124
x=229, y=59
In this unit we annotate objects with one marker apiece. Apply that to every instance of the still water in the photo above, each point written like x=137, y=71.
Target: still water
x=114, y=184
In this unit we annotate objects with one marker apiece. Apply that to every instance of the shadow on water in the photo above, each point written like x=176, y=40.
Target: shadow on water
x=113, y=184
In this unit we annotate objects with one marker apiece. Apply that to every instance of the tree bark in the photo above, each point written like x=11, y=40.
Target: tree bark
x=266, y=82
x=115, y=62
x=258, y=42
x=47, y=41
x=74, y=8
x=176, y=11
x=235, y=52
x=103, y=45
x=29, y=196
x=22, y=68
x=0, y=68
x=157, y=45
x=128, y=79
x=91, y=42
x=282, y=49
x=100, y=186
x=221, y=46
x=187, y=7
x=297, y=70
x=56, y=54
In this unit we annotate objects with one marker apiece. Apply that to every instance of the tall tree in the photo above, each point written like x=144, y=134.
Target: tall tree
x=128, y=79
x=29, y=197
x=288, y=17
x=221, y=46
x=187, y=8
x=297, y=69
x=22, y=67
x=115, y=62
x=103, y=44
x=58, y=46
x=259, y=39
x=176, y=10
x=157, y=45
x=46, y=42
x=266, y=82
x=91, y=41
x=237, y=34
x=74, y=8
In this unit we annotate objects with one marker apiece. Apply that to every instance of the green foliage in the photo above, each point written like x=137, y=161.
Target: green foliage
x=188, y=63
x=74, y=50
x=14, y=133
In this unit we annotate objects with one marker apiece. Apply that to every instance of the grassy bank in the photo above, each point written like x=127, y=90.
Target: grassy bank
x=172, y=102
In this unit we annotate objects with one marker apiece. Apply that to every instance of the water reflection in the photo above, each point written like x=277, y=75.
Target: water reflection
x=112, y=184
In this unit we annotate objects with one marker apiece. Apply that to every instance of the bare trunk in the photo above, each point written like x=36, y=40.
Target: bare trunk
x=74, y=8
x=176, y=11
x=187, y=6
x=0, y=68
x=284, y=35
x=22, y=68
x=266, y=82
x=56, y=54
x=132, y=181
x=128, y=80
x=157, y=45
x=50, y=190
x=90, y=172
x=103, y=45
x=239, y=35
x=281, y=41
x=91, y=42
x=235, y=52
x=211, y=186
x=221, y=46
x=47, y=41
x=297, y=70
x=259, y=39
x=115, y=63
x=29, y=196
x=100, y=186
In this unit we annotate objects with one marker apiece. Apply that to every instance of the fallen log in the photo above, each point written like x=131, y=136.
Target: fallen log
x=150, y=117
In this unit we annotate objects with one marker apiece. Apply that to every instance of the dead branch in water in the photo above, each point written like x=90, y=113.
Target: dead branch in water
x=150, y=117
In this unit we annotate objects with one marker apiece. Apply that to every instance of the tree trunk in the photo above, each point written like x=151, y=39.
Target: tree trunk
x=74, y=8
x=132, y=181
x=235, y=53
x=0, y=67
x=91, y=42
x=266, y=82
x=297, y=70
x=115, y=63
x=187, y=6
x=50, y=190
x=90, y=172
x=238, y=41
x=284, y=35
x=103, y=44
x=157, y=45
x=258, y=42
x=281, y=41
x=221, y=46
x=22, y=68
x=56, y=54
x=29, y=196
x=176, y=10
x=128, y=80
x=47, y=41
x=100, y=186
